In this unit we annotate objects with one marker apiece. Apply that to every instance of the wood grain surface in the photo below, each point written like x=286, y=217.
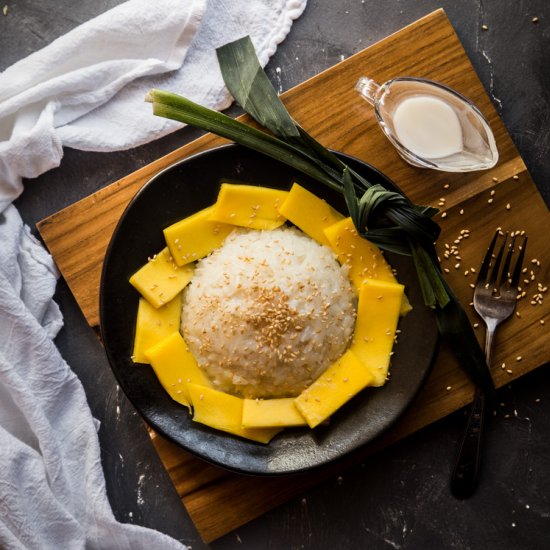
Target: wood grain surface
x=327, y=106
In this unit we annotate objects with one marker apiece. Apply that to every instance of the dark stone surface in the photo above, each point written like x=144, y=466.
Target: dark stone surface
x=399, y=498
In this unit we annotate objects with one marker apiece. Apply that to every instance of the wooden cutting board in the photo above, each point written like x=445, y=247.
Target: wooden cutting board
x=328, y=107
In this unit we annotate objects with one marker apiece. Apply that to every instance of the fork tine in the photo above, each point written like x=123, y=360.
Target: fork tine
x=496, y=265
x=519, y=263
x=505, y=275
x=484, y=269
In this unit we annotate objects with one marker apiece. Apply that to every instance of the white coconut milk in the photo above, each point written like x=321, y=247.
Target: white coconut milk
x=428, y=127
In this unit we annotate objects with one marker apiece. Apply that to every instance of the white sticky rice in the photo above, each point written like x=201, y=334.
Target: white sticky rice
x=268, y=312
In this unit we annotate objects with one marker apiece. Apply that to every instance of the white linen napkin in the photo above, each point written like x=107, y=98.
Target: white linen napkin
x=86, y=90
x=52, y=489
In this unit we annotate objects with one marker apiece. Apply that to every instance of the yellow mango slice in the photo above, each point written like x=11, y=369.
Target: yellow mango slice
x=337, y=385
x=309, y=213
x=365, y=260
x=377, y=317
x=175, y=367
x=153, y=325
x=249, y=206
x=160, y=279
x=195, y=236
x=224, y=412
x=270, y=413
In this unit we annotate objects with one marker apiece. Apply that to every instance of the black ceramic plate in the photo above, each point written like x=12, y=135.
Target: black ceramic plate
x=177, y=192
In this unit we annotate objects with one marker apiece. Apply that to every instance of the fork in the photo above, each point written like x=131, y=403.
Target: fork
x=495, y=298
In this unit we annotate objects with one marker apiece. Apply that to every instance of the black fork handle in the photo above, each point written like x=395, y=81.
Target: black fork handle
x=465, y=474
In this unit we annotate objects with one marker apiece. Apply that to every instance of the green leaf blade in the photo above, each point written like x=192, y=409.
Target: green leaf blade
x=248, y=84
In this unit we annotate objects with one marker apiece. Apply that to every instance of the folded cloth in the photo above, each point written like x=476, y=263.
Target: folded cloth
x=85, y=90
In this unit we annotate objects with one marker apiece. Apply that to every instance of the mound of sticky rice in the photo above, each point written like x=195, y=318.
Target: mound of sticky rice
x=267, y=312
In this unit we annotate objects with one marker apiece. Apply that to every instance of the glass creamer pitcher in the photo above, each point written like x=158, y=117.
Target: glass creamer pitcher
x=431, y=125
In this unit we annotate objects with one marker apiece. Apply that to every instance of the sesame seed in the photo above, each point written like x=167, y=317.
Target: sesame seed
x=519, y=358
x=535, y=19
x=515, y=177
x=444, y=215
x=508, y=206
x=449, y=388
x=484, y=28
x=461, y=211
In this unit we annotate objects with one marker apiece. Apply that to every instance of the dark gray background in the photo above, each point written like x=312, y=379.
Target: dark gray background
x=399, y=498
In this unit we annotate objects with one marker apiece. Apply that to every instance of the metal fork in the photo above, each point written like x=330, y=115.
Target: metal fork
x=495, y=298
